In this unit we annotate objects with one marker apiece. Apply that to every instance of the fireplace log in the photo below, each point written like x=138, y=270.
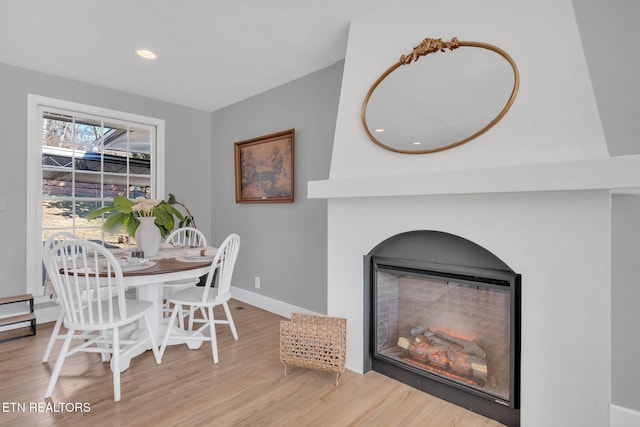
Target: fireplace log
x=457, y=355
x=468, y=364
x=404, y=343
x=479, y=370
x=417, y=330
x=424, y=351
x=469, y=347
x=419, y=351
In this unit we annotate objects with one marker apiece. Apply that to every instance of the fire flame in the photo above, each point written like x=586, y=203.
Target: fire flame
x=442, y=372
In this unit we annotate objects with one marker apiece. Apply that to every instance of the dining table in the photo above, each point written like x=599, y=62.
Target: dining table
x=148, y=278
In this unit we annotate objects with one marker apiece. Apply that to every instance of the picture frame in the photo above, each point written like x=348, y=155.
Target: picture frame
x=264, y=168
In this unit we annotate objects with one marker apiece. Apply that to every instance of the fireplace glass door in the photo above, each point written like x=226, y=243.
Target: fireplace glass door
x=454, y=328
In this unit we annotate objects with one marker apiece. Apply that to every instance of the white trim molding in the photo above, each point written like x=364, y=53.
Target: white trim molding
x=49, y=313
x=269, y=304
x=619, y=174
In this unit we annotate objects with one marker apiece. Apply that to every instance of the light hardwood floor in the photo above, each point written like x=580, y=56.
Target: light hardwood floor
x=247, y=387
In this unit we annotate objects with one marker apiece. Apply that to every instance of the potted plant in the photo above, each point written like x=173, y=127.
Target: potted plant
x=126, y=212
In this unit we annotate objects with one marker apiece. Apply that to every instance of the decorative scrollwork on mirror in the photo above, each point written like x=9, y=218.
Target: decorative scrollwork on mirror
x=442, y=101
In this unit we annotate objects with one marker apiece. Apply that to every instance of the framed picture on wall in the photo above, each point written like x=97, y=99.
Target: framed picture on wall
x=264, y=168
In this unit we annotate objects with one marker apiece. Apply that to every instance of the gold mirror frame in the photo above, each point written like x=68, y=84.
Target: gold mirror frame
x=426, y=47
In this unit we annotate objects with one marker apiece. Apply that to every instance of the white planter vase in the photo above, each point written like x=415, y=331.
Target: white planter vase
x=148, y=236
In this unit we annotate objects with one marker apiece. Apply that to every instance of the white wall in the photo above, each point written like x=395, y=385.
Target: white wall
x=554, y=117
x=559, y=241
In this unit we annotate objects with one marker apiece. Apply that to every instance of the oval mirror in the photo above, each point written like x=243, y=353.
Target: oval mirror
x=458, y=91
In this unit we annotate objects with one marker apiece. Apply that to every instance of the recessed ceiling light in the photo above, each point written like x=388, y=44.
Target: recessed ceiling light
x=417, y=143
x=379, y=130
x=146, y=54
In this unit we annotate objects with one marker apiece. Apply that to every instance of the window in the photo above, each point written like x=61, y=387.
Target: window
x=80, y=157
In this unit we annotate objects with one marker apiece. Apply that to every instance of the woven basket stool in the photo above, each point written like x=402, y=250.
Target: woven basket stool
x=314, y=342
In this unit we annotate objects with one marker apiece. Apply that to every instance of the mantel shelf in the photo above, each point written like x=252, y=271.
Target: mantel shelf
x=619, y=174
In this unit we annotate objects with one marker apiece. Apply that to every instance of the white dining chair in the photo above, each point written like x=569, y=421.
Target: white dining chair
x=186, y=236
x=182, y=237
x=206, y=297
x=88, y=281
x=55, y=334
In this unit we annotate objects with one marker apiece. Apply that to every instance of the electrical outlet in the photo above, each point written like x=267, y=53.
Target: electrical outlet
x=257, y=282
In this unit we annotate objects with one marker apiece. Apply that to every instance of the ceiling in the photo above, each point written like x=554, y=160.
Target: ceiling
x=211, y=53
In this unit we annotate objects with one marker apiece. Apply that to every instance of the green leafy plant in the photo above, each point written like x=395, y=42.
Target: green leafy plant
x=187, y=220
x=125, y=212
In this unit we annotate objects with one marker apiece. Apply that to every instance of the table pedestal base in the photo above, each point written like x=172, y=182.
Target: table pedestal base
x=159, y=325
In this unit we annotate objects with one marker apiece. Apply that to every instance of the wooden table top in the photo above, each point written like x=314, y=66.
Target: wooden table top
x=167, y=265
x=162, y=266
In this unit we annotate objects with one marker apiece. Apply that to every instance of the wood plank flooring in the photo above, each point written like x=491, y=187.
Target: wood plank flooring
x=247, y=388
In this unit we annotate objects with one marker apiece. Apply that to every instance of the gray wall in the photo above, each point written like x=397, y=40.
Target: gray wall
x=283, y=243
x=188, y=149
x=610, y=42
x=625, y=375
x=609, y=34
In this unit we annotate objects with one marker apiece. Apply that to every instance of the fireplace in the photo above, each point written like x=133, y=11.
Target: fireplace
x=444, y=317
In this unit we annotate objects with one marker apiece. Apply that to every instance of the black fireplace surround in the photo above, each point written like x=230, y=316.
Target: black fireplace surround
x=442, y=314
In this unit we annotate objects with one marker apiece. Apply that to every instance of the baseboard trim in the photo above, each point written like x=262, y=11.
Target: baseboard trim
x=624, y=417
x=50, y=314
x=269, y=304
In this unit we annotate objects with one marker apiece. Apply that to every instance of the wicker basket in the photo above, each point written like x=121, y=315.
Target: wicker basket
x=315, y=342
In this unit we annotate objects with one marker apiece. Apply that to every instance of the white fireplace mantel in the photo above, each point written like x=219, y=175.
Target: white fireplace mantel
x=618, y=174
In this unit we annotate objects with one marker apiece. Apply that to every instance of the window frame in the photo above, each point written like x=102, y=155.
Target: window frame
x=35, y=106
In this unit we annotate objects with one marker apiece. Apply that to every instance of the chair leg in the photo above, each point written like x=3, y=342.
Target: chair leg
x=115, y=364
x=172, y=320
x=192, y=311
x=154, y=345
x=56, y=370
x=105, y=356
x=232, y=325
x=180, y=318
x=214, y=340
x=54, y=336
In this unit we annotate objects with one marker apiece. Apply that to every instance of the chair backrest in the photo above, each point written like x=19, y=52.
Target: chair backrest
x=58, y=237
x=50, y=243
x=187, y=236
x=88, y=281
x=53, y=240
x=223, y=262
